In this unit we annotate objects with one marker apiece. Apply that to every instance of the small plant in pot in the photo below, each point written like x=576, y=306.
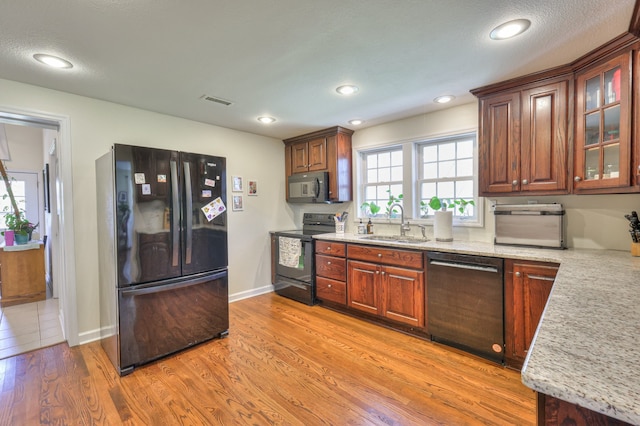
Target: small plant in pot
x=20, y=226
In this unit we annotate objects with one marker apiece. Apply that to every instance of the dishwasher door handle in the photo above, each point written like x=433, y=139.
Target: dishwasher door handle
x=465, y=266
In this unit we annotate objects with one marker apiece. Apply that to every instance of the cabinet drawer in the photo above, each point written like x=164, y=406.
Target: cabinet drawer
x=331, y=290
x=334, y=249
x=331, y=267
x=388, y=256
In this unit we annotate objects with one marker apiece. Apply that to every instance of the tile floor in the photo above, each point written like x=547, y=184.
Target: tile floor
x=29, y=326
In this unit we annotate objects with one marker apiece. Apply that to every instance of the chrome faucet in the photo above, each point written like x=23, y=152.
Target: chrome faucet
x=404, y=227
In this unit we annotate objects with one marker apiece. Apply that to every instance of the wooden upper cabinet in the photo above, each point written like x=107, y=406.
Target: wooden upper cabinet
x=499, y=144
x=544, y=142
x=325, y=150
x=523, y=140
x=603, y=126
x=309, y=156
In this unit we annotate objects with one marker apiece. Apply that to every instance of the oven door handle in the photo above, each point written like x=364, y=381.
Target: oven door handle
x=464, y=266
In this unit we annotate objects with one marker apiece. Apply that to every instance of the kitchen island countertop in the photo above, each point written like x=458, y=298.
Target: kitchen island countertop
x=585, y=349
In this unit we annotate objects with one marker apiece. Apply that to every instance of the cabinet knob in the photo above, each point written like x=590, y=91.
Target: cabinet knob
x=525, y=182
x=377, y=272
x=518, y=274
x=382, y=272
x=329, y=248
x=577, y=178
x=328, y=263
x=379, y=254
x=515, y=182
x=329, y=286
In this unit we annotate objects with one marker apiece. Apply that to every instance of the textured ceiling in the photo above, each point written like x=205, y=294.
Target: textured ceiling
x=285, y=58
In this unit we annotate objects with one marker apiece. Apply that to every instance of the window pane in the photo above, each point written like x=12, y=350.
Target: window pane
x=430, y=171
x=396, y=158
x=447, y=151
x=447, y=169
x=428, y=190
x=381, y=193
x=446, y=189
x=372, y=176
x=370, y=193
x=430, y=152
x=465, y=167
x=396, y=173
x=372, y=161
x=384, y=175
x=384, y=159
x=465, y=149
x=396, y=190
x=464, y=189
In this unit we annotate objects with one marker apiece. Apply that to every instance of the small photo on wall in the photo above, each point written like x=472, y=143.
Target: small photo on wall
x=237, y=183
x=237, y=203
x=253, y=187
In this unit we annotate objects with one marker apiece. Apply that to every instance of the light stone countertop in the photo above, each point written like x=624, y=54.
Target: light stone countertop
x=585, y=350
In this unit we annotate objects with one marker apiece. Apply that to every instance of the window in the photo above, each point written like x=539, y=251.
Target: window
x=442, y=167
x=446, y=170
x=25, y=191
x=383, y=176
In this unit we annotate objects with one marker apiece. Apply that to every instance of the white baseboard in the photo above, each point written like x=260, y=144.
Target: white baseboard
x=89, y=336
x=250, y=293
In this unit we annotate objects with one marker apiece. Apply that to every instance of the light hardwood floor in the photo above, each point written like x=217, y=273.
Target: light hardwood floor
x=282, y=363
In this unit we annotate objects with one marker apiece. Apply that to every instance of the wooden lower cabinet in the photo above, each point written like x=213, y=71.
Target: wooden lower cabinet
x=331, y=272
x=391, y=291
x=556, y=412
x=23, y=276
x=527, y=288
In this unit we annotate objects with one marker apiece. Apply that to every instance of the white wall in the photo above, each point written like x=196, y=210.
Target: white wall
x=593, y=221
x=96, y=125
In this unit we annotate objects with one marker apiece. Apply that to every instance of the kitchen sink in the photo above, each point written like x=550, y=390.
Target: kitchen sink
x=395, y=238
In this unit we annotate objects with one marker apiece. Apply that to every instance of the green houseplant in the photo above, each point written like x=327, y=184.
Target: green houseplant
x=16, y=220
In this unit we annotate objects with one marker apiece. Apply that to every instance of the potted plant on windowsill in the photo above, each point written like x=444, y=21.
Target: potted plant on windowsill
x=16, y=220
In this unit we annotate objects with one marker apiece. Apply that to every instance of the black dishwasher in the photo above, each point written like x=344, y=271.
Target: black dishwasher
x=465, y=307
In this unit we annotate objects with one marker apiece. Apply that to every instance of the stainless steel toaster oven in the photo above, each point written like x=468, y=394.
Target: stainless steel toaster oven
x=532, y=225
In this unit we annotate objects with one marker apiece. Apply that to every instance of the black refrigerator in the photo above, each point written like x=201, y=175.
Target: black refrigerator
x=162, y=239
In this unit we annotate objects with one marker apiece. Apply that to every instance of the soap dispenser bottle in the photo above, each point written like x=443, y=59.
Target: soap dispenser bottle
x=369, y=227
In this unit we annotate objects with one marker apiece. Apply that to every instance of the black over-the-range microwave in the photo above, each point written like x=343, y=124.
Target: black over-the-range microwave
x=310, y=187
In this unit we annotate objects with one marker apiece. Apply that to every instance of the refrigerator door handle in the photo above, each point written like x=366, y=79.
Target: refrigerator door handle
x=166, y=287
x=175, y=215
x=189, y=211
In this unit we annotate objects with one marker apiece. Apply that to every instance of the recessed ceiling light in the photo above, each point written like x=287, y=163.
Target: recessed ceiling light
x=347, y=89
x=444, y=99
x=266, y=120
x=356, y=122
x=509, y=29
x=52, y=61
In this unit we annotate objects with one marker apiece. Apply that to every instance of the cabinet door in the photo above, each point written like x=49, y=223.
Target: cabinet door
x=300, y=157
x=544, y=138
x=363, y=286
x=603, y=124
x=527, y=289
x=499, y=145
x=403, y=295
x=317, y=151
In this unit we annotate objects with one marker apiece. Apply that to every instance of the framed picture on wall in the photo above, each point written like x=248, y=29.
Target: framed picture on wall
x=236, y=183
x=237, y=203
x=253, y=187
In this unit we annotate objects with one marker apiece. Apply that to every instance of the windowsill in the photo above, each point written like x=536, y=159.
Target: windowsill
x=457, y=223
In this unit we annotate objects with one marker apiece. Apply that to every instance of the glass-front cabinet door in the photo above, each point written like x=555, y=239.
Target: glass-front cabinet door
x=603, y=136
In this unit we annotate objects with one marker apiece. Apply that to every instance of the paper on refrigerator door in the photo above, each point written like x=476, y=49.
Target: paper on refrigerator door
x=213, y=209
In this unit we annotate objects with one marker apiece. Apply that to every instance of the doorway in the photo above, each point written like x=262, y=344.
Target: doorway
x=58, y=221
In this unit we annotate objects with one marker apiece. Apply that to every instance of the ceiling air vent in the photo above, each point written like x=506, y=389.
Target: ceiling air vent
x=216, y=100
